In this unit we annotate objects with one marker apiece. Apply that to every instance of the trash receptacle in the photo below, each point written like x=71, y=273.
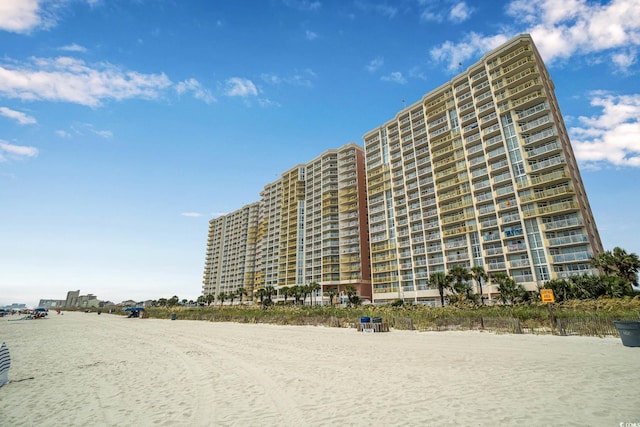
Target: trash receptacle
x=629, y=332
x=173, y=316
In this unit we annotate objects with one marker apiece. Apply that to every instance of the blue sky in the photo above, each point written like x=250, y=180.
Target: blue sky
x=126, y=125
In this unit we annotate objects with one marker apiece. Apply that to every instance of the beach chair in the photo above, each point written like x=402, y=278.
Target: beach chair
x=365, y=324
x=5, y=364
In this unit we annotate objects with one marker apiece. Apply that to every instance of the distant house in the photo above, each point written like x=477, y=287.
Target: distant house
x=129, y=303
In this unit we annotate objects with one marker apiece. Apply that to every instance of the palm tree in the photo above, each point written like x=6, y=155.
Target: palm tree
x=285, y=291
x=618, y=263
x=441, y=281
x=479, y=275
x=222, y=296
x=260, y=294
x=232, y=296
x=510, y=291
x=313, y=288
x=297, y=292
x=351, y=292
x=306, y=290
x=210, y=298
x=461, y=276
x=269, y=291
x=331, y=293
x=241, y=292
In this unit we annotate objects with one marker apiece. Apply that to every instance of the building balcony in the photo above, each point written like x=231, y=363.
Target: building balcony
x=567, y=240
x=548, y=178
x=572, y=257
x=459, y=230
x=549, y=194
x=544, y=150
x=562, y=224
x=533, y=111
x=548, y=163
x=524, y=101
x=493, y=266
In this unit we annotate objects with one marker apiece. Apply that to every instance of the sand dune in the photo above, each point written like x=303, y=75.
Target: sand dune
x=88, y=369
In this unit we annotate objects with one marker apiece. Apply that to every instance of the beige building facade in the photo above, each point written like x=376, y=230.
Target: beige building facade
x=479, y=172
x=230, y=262
x=310, y=226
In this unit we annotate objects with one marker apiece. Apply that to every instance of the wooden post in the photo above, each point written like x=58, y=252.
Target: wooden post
x=551, y=318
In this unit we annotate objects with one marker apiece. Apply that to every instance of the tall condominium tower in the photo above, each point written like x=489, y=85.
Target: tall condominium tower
x=231, y=248
x=310, y=226
x=336, y=250
x=479, y=172
x=268, y=239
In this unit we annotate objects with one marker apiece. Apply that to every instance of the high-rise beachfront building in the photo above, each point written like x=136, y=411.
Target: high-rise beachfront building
x=268, y=239
x=310, y=226
x=479, y=172
x=230, y=261
x=336, y=249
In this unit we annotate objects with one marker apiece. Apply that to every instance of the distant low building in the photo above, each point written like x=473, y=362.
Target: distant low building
x=129, y=303
x=15, y=306
x=73, y=300
x=51, y=303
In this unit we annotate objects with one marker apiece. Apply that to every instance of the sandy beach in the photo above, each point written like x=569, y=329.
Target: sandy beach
x=87, y=369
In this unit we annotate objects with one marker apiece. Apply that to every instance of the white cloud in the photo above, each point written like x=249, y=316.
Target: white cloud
x=416, y=72
x=71, y=80
x=436, y=11
x=20, y=117
x=375, y=64
x=83, y=129
x=455, y=54
x=563, y=29
x=19, y=16
x=298, y=78
x=15, y=151
x=311, y=35
x=106, y=134
x=611, y=137
x=429, y=15
x=376, y=8
x=271, y=78
x=624, y=60
x=194, y=86
x=303, y=4
x=191, y=214
x=265, y=102
x=560, y=30
x=237, y=86
x=73, y=48
x=395, y=77
x=460, y=12
x=385, y=10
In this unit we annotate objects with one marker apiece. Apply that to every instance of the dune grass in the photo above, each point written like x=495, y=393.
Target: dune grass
x=530, y=317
